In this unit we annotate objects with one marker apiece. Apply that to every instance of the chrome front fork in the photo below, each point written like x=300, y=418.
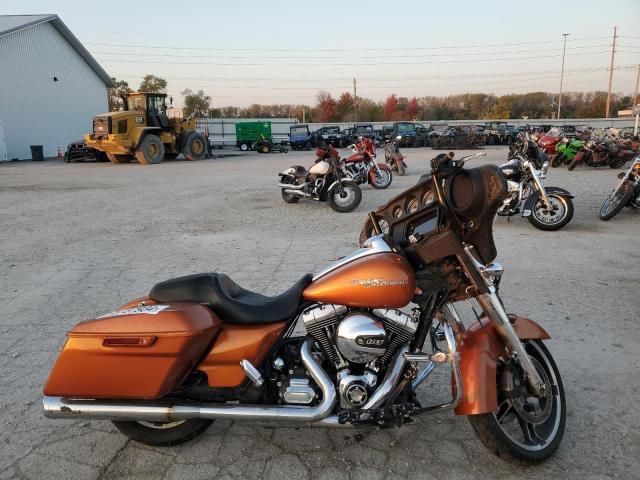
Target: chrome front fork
x=541, y=191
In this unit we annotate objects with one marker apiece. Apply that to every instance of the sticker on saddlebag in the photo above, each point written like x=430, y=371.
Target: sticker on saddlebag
x=146, y=310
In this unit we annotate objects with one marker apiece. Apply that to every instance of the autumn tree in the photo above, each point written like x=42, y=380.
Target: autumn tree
x=116, y=95
x=195, y=103
x=390, y=107
x=345, y=107
x=412, y=109
x=326, y=107
x=151, y=83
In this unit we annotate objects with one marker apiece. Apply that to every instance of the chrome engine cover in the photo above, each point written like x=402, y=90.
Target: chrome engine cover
x=361, y=338
x=355, y=389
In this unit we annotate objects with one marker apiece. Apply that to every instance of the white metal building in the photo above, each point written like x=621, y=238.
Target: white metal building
x=50, y=86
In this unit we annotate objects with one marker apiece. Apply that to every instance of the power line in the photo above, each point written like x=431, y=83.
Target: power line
x=332, y=57
x=351, y=64
x=440, y=47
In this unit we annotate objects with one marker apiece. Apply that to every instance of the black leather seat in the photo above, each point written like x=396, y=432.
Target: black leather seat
x=229, y=300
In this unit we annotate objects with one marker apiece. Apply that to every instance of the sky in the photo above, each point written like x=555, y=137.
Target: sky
x=244, y=52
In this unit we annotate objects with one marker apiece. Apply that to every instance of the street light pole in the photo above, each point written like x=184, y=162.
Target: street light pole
x=564, y=48
x=613, y=55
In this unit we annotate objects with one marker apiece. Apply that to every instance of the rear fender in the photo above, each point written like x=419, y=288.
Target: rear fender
x=479, y=351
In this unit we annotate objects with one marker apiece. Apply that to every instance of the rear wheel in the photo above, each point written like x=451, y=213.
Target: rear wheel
x=573, y=164
x=150, y=150
x=616, y=201
x=113, y=158
x=195, y=148
x=525, y=429
x=400, y=165
x=617, y=163
x=554, y=218
x=346, y=199
x=159, y=434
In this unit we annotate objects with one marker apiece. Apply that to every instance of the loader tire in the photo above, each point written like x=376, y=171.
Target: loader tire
x=113, y=158
x=195, y=147
x=150, y=150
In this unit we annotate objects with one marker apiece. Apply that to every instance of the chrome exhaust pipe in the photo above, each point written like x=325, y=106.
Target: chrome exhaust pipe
x=292, y=186
x=297, y=193
x=59, y=407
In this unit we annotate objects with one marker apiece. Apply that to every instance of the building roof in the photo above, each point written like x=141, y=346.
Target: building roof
x=13, y=23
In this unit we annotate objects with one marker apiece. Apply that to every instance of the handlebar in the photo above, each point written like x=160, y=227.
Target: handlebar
x=473, y=155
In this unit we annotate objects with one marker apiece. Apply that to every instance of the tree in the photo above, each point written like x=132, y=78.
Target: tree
x=412, y=109
x=116, y=94
x=344, y=108
x=326, y=107
x=151, y=83
x=195, y=103
x=390, y=107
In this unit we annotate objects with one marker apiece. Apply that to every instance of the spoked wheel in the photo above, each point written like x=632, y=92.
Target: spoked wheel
x=554, y=218
x=525, y=429
x=616, y=201
x=381, y=179
x=160, y=434
x=346, y=199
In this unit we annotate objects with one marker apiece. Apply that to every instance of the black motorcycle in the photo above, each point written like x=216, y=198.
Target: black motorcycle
x=626, y=193
x=546, y=208
x=325, y=181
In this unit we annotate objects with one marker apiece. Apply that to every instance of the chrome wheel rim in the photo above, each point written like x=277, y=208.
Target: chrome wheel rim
x=344, y=198
x=529, y=422
x=614, y=200
x=383, y=177
x=161, y=425
x=555, y=214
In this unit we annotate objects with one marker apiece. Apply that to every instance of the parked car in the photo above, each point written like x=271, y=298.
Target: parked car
x=300, y=137
x=387, y=131
x=404, y=133
x=346, y=137
x=329, y=135
x=79, y=152
x=497, y=133
x=423, y=135
x=363, y=130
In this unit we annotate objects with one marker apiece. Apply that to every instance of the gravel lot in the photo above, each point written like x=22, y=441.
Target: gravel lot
x=80, y=239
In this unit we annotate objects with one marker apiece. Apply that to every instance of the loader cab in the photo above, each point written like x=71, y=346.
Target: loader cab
x=153, y=104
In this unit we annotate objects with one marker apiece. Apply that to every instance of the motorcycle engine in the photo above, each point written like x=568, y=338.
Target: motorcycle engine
x=360, y=344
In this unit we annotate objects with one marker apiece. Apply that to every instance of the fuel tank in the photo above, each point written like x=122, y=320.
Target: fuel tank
x=382, y=280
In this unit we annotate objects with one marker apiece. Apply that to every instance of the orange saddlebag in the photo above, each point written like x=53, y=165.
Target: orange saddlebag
x=143, y=351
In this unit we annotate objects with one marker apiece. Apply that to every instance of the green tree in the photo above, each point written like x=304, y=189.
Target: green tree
x=116, y=94
x=195, y=103
x=151, y=83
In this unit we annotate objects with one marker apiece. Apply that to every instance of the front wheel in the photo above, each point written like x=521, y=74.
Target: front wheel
x=525, y=429
x=554, y=218
x=159, y=434
x=380, y=180
x=557, y=160
x=616, y=201
x=617, y=162
x=401, y=167
x=346, y=199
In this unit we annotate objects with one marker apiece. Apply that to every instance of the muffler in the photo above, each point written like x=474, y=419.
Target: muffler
x=292, y=186
x=163, y=411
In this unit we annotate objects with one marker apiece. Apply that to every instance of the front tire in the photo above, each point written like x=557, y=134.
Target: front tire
x=400, y=165
x=160, y=434
x=554, y=219
x=616, y=201
x=347, y=200
x=150, y=150
x=525, y=429
x=381, y=180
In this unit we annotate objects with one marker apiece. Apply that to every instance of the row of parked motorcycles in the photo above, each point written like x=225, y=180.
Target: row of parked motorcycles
x=607, y=150
x=337, y=180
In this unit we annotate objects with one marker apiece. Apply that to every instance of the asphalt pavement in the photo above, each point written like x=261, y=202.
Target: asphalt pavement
x=78, y=240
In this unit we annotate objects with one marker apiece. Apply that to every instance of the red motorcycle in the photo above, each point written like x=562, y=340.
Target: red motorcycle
x=548, y=144
x=361, y=166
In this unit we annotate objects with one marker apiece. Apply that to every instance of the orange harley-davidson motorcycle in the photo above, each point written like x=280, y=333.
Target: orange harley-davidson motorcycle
x=201, y=348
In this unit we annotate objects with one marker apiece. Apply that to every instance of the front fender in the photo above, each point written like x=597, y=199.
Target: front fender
x=479, y=351
x=533, y=198
x=344, y=181
x=372, y=171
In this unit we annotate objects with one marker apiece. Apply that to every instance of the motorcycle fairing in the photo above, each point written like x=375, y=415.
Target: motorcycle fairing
x=479, y=351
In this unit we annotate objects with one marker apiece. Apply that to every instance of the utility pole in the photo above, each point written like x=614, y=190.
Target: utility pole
x=635, y=95
x=613, y=54
x=564, y=48
x=355, y=101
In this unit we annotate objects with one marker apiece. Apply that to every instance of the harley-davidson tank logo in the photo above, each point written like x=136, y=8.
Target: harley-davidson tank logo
x=377, y=282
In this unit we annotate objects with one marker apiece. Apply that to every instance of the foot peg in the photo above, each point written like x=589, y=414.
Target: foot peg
x=252, y=372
